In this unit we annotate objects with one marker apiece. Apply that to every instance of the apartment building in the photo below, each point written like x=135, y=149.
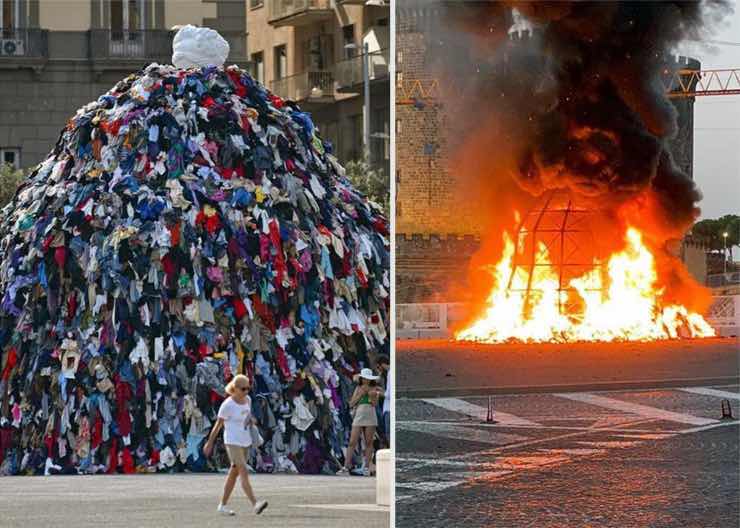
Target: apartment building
x=57, y=55
x=312, y=52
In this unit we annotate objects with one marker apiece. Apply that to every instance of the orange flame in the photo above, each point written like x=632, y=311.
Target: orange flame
x=618, y=302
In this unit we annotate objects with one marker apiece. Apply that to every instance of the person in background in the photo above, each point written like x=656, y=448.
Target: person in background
x=235, y=418
x=384, y=366
x=364, y=401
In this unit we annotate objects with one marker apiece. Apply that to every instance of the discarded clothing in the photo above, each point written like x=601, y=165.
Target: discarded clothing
x=188, y=226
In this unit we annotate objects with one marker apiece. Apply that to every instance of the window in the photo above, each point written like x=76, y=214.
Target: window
x=9, y=14
x=318, y=52
x=348, y=42
x=281, y=62
x=258, y=66
x=380, y=140
x=126, y=16
x=10, y=156
x=353, y=148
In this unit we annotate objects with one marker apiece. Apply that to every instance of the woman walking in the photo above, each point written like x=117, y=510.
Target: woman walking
x=364, y=400
x=235, y=418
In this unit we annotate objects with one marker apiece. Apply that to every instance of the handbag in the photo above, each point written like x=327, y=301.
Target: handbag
x=257, y=439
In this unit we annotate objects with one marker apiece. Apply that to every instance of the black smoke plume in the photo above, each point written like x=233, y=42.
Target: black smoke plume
x=580, y=101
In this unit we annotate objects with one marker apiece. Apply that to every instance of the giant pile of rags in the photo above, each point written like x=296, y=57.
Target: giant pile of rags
x=188, y=226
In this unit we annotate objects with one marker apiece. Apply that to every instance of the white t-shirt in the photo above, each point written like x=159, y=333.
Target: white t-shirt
x=237, y=418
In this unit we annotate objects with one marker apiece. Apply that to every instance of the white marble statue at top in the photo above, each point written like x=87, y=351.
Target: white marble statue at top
x=194, y=47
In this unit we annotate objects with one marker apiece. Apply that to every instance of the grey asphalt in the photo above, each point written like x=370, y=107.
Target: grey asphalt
x=428, y=368
x=182, y=500
x=569, y=463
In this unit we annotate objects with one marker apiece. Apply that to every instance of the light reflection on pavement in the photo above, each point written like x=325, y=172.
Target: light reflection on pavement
x=583, y=464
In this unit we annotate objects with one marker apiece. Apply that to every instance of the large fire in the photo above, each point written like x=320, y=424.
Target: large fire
x=618, y=301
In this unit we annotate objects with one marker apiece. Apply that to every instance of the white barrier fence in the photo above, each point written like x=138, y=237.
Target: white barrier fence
x=435, y=320
x=383, y=477
x=724, y=315
x=427, y=320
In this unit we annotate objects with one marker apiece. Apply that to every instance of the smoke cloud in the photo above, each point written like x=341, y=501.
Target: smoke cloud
x=579, y=103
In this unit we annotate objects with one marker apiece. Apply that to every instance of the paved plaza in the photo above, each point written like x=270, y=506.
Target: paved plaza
x=446, y=368
x=180, y=500
x=625, y=459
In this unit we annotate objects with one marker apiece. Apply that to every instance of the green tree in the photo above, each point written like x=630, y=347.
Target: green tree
x=711, y=231
x=371, y=181
x=10, y=179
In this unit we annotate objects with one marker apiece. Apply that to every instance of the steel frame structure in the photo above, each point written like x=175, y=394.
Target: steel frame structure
x=693, y=83
x=559, y=225
x=416, y=91
x=677, y=84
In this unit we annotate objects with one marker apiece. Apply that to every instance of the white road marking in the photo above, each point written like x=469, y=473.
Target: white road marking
x=498, y=465
x=712, y=426
x=636, y=408
x=526, y=443
x=430, y=462
x=460, y=432
x=625, y=420
x=476, y=411
x=502, y=462
x=712, y=392
x=503, y=466
x=576, y=451
x=608, y=421
x=610, y=444
x=648, y=436
x=430, y=487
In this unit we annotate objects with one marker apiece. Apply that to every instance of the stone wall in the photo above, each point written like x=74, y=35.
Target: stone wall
x=36, y=104
x=432, y=268
x=428, y=201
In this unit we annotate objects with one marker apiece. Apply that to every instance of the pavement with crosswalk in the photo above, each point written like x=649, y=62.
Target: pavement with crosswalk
x=561, y=459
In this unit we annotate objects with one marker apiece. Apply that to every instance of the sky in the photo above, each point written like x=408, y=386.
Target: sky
x=717, y=127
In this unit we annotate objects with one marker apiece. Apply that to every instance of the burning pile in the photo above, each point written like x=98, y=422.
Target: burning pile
x=614, y=302
x=578, y=108
x=188, y=225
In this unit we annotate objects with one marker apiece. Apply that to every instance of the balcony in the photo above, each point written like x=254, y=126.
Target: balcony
x=348, y=72
x=374, y=3
x=20, y=45
x=152, y=45
x=108, y=50
x=299, y=12
x=309, y=86
x=147, y=46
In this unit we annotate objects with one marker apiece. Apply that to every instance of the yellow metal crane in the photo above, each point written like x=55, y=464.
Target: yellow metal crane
x=679, y=83
x=691, y=83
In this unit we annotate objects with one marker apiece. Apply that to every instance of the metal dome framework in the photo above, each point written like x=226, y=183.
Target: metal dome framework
x=563, y=228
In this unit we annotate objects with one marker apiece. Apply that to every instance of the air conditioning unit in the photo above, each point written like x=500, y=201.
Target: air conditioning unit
x=12, y=48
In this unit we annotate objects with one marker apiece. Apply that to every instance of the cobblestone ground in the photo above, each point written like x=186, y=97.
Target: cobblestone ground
x=622, y=459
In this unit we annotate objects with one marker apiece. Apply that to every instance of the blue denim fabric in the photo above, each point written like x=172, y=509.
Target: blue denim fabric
x=326, y=263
